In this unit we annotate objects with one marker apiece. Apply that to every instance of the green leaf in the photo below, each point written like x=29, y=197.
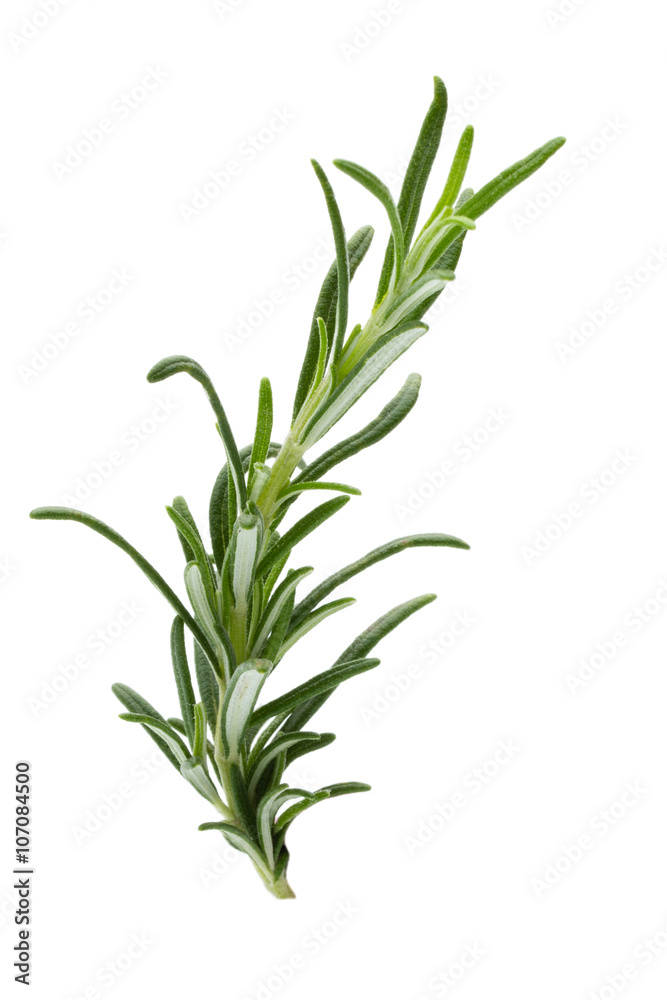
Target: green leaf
x=186, y=694
x=372, y=365
x=361, y=646
x=390, y=417
x=342, y=262
x=326, y=681
x=263, y=428
x=325, y=346
x=456, y=175
x=279, y=630
x=199, y=739
x=242, y=842
x=508, y=179
x=374, y=556
x=177, y=724
x=328, y=792
x=299, y=531
x=257, y=739
x=310, y=621
x=294, y=488
x=286, y=818
x=266, y=814
x=181, y=506
x=218, y=512
x=194, y=772
x=209, y=690
x=181, y=363
x=135, y=703
x=218, y=639
x=376, y=187
x=69, y=514
x=281, y=743
x=300, y=749
x=430, y=247
x=404, y=306
x=164, y=730
x=326, y=309
x=449, y=259
x=271, y=578
x=238, y=704
x=380, y=628
x=242, y=555
x=240, y=800
x=187, y=530
x=275, y=606
x=416, y=176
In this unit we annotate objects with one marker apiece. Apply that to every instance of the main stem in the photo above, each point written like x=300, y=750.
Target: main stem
x=286, y=462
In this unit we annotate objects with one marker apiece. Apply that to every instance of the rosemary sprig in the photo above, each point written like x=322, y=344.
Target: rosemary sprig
x=244, y=615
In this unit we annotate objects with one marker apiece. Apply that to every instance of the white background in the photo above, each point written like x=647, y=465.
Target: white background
x=539, y=268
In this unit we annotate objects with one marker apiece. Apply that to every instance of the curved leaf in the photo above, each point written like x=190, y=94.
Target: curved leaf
x=70, y=514
x=328, y=792
x=374, y=556
x=378, y=188
x=182, y=363
x=324, y=682
x=310, y=621
x=242, y=842
x=342, y=262
x=361, y=646
x=164, y=730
